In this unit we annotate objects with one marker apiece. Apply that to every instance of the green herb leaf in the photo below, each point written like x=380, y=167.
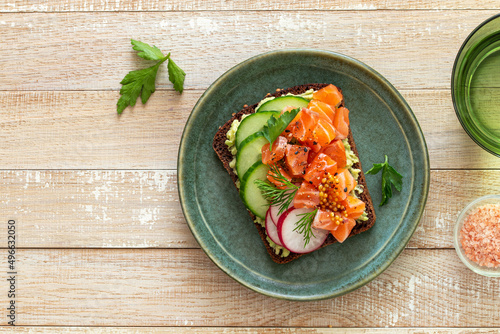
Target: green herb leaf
x=275, y=126
x=146, y=51
x=280, y=197
x=390, y=177
x=304, y=226
x=375, y=169
x=136, y=82
x=395, y=178
x=142, y=82
x=176, y=75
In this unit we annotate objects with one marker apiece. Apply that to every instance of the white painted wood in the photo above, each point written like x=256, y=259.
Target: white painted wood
x=260, y=330
x=425, y=288
x=92, y=51
x=45, y=6
x=83, y=209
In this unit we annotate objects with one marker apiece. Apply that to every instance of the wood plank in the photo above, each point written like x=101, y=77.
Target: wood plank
x=260, y=330
x=95, y=209
x=184, y=288
x=448, y=144
x=137, y=209
x=81, y=130
x=45, y=6
x=449, y=193
x=89, y=51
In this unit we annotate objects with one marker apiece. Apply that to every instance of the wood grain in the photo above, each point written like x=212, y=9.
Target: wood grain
x=92, y=51
x=46, y=6
x=260, y=330
x=73, y=130
x=184, y=288
x=137, y=209
x=95, y=209
x=81, y=130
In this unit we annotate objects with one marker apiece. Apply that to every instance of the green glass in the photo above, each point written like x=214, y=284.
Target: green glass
x=475, y=85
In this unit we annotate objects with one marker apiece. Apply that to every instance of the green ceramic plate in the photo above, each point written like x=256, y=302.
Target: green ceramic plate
x=382, y=123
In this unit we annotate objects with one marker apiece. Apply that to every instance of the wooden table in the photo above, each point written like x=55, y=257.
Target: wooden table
x=100, y=236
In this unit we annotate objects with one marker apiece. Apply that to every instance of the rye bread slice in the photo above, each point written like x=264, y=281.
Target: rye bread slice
x=225, y=157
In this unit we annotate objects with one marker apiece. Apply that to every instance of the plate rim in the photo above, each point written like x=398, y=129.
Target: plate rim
x=422, y=201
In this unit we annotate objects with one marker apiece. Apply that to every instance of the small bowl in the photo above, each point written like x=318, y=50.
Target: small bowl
x=482, y=270
x=475, y=83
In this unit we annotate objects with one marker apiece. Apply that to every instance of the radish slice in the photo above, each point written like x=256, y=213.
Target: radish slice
x=273, y=212
x=272, y=231
x=293, y=240
x=274, y=209
x=280, y=222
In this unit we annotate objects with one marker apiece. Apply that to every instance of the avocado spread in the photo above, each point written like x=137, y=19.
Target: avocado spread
x=351, y=160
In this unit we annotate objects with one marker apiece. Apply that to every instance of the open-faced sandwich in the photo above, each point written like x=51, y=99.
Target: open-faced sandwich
x=293, y=158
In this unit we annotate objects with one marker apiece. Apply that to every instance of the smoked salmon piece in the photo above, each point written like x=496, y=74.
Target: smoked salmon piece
x=276, y=153
x=296, y=159
x=344, y=229
x=354, y=207
x=336, y=151
x=307, y=196
x=324, y=110
x=341, y=123
x=346, y=184
x=318, y=169
x=326, y=220
x=323, y=133
x=330, y=95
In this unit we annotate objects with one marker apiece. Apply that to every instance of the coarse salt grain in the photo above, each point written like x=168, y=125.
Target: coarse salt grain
x=480, y=235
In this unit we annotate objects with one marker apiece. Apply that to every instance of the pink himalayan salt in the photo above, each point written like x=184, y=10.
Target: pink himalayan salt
x=481, y=235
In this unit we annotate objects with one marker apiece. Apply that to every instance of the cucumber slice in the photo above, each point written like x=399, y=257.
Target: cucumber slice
x=250, y=193
x=249, y=153
x=281, y=102
x=253, y=124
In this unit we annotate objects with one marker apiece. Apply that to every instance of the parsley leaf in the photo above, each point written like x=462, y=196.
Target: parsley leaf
x=275, y=126
x=142, y=82
x=176, y=75
x=390, y=177
x=147, y=52
x=136, y=82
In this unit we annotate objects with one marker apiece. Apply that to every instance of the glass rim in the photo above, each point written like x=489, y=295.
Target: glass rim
x=453, y=97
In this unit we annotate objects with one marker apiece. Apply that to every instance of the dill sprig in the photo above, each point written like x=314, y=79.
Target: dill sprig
x=304, y=226
x=280, y=197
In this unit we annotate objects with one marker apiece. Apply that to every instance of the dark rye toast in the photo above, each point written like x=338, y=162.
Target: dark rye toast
x=225, y=157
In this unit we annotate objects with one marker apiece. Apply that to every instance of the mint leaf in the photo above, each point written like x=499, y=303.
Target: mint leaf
x=390, y=178
x=275, y=126
x=146, y=51
x=176, y=75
